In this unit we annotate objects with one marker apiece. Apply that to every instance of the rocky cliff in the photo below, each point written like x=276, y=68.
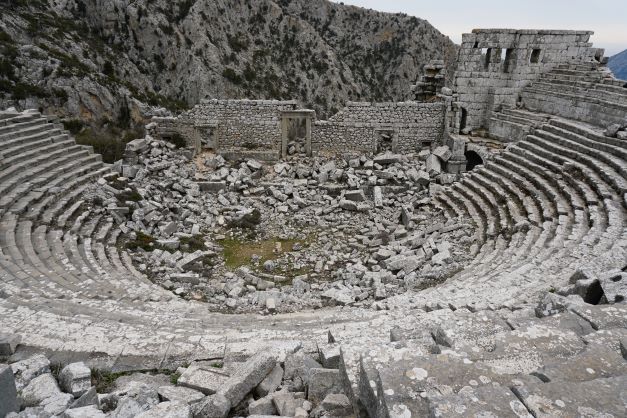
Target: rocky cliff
x=105, y=60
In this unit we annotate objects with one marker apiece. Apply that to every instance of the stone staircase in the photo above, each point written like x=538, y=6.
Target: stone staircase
x=512, y=125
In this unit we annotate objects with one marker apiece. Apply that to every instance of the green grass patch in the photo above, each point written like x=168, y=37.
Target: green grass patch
x=238, y=253
x=193, y=243
x=143, y=241
x=105, y=380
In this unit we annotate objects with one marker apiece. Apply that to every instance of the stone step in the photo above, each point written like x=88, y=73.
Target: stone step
x=55, y=153
x=609, y=169
x=587, y=132
x=8, y=129
x=23, y=144
x=28, y=179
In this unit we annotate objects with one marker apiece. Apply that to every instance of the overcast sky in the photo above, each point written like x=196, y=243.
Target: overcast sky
x=607, y=18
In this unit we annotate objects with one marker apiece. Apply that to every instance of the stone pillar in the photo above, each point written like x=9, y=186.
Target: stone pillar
x=284, y=137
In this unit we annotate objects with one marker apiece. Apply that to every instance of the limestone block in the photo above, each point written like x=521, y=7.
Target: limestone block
x=8, y=393
x=75, y=378
x=173, y=409
x=323, y=382
x=599, y=397
x=247, y=376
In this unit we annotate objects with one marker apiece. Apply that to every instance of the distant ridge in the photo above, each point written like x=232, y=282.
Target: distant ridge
x=618, y=65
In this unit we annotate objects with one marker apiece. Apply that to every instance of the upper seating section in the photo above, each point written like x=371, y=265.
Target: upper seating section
x=583, y=92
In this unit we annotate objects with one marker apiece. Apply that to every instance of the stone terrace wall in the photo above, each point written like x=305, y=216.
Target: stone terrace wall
x=355, y=127
x=495, y=64
x=247, y=124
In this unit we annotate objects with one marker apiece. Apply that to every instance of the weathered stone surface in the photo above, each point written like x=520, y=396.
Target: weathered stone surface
x=323, y=382
x=206, y=379
x=75, y=378
x=27, y=370
x=477, y=329
x=599, y=397
x=90, y=411
x=484, y=401
x=271, y=382
x=213, y=406
x=8, y=393
x=263, y=406
x=178, y=393
x=43, y=391
x=337, y=405
x=286, y=404
x=525, y=349
x=593, y=362
x=171, y=409
x=298, y=367
x=8, y=343
x=330, y=356
x=603, y=317
x=247, y=376
x=87, y=399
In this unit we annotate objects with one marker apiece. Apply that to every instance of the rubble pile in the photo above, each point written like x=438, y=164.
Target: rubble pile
x=290, y=384
x=302, y=233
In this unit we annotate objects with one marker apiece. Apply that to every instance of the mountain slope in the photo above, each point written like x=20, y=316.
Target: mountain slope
x=91, y=59
x=618, y=65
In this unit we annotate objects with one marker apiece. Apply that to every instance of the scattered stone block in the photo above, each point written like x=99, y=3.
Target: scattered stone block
x=330, y=356
x=90, y=411
x=433, y=165
x=263, y=406
x=43, y=391
x=443, y=153
x=271, y=382
x=27, y=370
x=8, y=393
x=75, y=378
x=337, y=405
x=323, y=382
x=214, y=406
x=173, y=409
x=8, y=343
x=247, y=376
x=355, y=195
x=208, y=380
x=178, y=393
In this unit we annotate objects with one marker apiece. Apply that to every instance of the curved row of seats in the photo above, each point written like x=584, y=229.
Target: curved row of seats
x=549, y=204
x=52, y=245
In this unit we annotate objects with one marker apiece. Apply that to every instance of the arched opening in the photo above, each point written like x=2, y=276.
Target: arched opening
x=464, y=119
x=473, y=159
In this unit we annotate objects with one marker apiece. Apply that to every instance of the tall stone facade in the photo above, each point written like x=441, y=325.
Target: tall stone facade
x=494, y=65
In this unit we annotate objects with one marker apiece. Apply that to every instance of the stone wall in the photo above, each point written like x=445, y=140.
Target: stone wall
x=357, y=126
x=241, y=124
x=235, y=126
x=495, y=64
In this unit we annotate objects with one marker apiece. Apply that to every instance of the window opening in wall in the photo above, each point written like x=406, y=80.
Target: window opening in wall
x=464, y=119
x=535, y=56
x=502, y=55
x=473, y=159
x=488, y=57
x=476, y=45
x=509, y=57
x=598, y=56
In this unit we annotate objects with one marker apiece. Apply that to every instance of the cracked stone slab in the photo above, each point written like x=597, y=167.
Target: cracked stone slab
x=484, y=401
x=594, y=398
